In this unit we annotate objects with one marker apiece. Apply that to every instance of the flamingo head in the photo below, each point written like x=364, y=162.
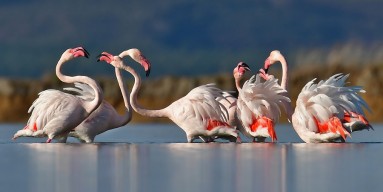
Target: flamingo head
x=107, y=57
x=137, y=56
x=273, y=57
x=116, y=61
x=76, y=52
x=240, y=70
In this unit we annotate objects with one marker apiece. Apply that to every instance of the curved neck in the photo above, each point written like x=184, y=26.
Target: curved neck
x=284, y=84
x=133, y=97
x=127, y=117
x=89, y=106
x=238, y=83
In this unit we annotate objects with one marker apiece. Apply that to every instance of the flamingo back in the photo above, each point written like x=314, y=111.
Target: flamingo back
x=258, y=106
x=319, y=103
x=52, y=106
x=230, y=104
x=200, y=111
x=258, y=99
x=82, y=91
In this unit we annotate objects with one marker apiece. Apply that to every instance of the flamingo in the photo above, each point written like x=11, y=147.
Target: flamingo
x=105, y=117
x=327, y=111
x=198, y=113
x=258, y=105
x=55, y=113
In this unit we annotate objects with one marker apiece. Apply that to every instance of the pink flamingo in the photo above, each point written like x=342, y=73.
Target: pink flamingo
x=325, y=112
x=105, y=117
x=55, y=113
x=198, y=113
x=258, y=105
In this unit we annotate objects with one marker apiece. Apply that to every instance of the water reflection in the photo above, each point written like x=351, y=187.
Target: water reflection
x=333, y=167
x=191, y=167
x=170, y=167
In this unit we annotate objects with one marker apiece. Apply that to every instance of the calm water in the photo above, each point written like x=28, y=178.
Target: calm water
x=156, y=158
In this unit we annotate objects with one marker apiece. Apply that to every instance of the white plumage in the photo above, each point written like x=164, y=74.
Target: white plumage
x=55, y=113
x=259, y=100
x=199, y=113
x=326, y=101
x=194, y=112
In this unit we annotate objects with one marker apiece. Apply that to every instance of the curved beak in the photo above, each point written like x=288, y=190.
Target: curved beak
x=244, y=66
x=99, y=57
x=267, y=64
x=146, y=64
x=80, y=52
x=86, y=52
x=147, y=72
x=104, y=56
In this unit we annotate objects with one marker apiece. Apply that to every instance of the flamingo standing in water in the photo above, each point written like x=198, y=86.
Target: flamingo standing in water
x=327, y=111
x=258, y=105
x=105, y=117
x=55, y=113
x=198, y=113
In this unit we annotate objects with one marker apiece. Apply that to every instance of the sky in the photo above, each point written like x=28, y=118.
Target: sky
x=182, y=37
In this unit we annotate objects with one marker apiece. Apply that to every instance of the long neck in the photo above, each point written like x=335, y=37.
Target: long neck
x=127, y=116
x=284, y=85
x=89, y=106
x=133, y=97
x=238, y=83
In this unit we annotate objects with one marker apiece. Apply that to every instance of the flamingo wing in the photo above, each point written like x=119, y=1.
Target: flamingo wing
x=230, y=104
x=82, y=91
x=53, y=105
x=205, y=103
x=322, y=107
x=261, y=101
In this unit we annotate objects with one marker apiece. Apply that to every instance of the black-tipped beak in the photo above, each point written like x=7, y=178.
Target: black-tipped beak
x=86, y=53
x=99, y=56
x=146, y=64
x=147, y=72
x=246, y=66
x=105, y=57
x=266, y=69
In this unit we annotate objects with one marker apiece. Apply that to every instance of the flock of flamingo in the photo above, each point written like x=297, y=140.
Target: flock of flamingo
x=327, y=111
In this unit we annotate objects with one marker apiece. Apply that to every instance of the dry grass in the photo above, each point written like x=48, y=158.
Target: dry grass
x=363, y=63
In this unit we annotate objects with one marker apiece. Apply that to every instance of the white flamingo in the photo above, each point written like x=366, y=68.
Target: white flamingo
x=55, y=113
x=258, y=105
x=327, y=111
x=105, y=117
x=198, y=113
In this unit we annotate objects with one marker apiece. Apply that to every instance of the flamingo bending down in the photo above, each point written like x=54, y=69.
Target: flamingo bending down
x=198, y=113
x=105, y=117
x=55, y=113
x=327, y=111
x=258, y=105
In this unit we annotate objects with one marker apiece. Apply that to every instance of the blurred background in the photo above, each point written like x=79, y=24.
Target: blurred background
x=189, y=43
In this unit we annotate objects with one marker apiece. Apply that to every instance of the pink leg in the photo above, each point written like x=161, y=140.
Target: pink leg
x=48, y=140
x=239, y=140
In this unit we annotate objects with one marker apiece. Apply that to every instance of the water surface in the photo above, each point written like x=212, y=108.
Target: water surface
x=156, y=158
